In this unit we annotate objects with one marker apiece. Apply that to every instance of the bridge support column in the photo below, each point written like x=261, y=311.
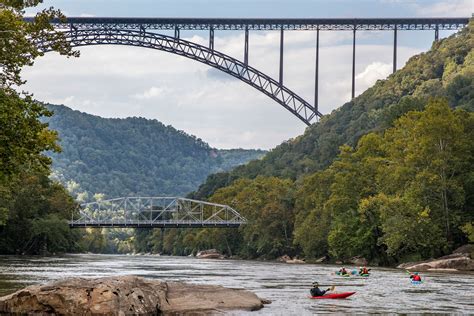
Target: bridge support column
x=211, y=38
x=281, y=56
x=353, y=60
x=437, y=33
x=246, y=46
x=316, y=75
x=176, y=32
x=395, y=49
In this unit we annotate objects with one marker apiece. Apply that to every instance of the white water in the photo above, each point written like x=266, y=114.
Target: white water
x=286, y=285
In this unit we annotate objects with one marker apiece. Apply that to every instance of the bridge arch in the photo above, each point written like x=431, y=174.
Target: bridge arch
x=238, y=69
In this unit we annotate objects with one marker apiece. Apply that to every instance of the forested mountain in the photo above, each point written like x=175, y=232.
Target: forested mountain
x=388, y=176
x=446, y=71
x=134, y=156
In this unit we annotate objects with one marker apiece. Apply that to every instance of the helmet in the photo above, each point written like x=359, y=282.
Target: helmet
x=415, y=273
x=315, y=283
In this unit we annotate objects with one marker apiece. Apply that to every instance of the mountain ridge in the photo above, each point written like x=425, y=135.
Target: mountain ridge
x=134, y=156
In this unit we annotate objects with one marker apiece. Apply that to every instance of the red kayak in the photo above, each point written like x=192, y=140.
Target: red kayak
x=334, y=295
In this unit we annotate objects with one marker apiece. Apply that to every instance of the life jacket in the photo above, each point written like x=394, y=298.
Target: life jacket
x=416, y=278
x=365, y=271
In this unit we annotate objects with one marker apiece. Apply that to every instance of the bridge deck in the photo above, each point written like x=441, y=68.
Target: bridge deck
x=155, y=224
x=334, y=24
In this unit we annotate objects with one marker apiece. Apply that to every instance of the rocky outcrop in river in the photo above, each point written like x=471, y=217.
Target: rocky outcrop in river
x=210, y=254
x=459, y=260
x=125, y=295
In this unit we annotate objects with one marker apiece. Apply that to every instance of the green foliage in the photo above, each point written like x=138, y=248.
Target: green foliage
x=397, y=195
x=23, y=137
x=32, y=208
x=446, y=70
x=134, y=156
x=267, y=203
x=38, y=214
x=19, y=39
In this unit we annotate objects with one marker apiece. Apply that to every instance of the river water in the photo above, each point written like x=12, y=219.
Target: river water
x=286, y=285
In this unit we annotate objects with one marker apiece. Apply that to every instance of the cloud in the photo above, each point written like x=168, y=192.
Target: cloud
x=121, y=81
x=455, y=8
x=153, y=92
x=372, y=73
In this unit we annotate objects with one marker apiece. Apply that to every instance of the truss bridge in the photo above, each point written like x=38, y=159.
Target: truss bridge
x=156, y=212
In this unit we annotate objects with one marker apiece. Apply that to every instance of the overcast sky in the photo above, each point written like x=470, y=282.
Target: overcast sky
x=119, y=81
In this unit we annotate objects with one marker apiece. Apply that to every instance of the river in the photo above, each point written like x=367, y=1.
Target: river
x=286, y=285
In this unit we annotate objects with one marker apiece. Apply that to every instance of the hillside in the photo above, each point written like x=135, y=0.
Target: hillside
x=446, y=70
x=134, y=156
x=388, y=177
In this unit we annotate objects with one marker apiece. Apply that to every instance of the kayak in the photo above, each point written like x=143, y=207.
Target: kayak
x=416, y=282
x=333, y=295
x=365, y=275
x=343, y=275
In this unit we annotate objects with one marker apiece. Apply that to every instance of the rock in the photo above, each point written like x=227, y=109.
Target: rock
x=455, y=261
x=359, y=261
x=321, y=260
x=288, y=259
x=265, y=301
x=284, y=258
x=469, y=248
x=338, y=262
x=125, y=295
x=210, y=254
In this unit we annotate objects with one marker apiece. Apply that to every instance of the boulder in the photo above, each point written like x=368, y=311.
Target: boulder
x=322, y=259
x=359, y=261
x=125, y=295
x=469, y=248
x=288, y=259
x=210, y=254
x=284, y=258
x=452, y=262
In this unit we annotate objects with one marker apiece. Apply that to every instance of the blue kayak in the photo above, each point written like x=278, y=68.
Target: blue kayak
x=416, y=282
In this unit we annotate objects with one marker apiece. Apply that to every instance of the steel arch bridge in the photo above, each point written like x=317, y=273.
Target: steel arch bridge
x=85, y=31
x=251, y=76
x=156, y=212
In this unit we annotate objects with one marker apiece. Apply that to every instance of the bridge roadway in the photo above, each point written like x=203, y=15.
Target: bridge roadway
x=155, y=224
x=259, y=24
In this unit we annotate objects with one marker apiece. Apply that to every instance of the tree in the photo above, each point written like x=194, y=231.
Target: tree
x=22, y=42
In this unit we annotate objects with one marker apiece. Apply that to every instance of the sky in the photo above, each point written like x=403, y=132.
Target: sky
x=121, y=81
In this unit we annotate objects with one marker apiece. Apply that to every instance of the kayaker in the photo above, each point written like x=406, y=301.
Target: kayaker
x=415, y=277
x=316, y=291
x=343, y=271
x=363, y=270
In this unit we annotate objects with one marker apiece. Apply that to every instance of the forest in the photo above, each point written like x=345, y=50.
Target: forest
x=388, y=176
x=133, y=156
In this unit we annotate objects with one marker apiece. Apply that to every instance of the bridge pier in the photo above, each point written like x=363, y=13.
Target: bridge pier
x=281, y=56
x=353, y=60
x=394, y=49
x=211, y=38
x=436, y=33
x=176, y=32
x=316, y=75
x=246, y=46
